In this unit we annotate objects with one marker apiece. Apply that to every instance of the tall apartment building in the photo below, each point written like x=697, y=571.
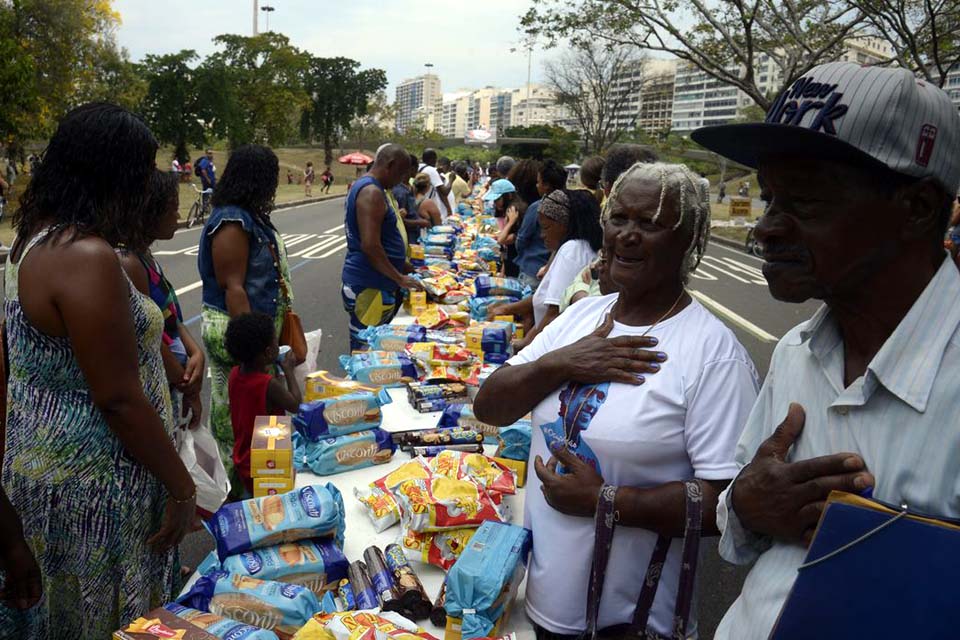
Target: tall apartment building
x=535, y=105
x=952, y=87
x=418, y=99
x=487, y=108
x=699, y=100
x=647, y=89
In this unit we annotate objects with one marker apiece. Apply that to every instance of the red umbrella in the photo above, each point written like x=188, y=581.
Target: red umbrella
x=359, y=159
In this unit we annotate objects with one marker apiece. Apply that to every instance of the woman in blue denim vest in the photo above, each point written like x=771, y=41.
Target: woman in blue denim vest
x=242, y=264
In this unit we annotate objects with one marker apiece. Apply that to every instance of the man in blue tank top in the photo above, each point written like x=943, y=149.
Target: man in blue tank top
x=375, y=268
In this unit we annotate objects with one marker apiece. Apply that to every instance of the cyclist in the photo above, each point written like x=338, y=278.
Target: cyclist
x=208, y=174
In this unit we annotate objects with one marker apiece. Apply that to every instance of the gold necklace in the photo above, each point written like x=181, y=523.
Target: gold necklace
x=613, y=309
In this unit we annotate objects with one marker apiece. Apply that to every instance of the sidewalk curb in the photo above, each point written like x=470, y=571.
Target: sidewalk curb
x=727, y=242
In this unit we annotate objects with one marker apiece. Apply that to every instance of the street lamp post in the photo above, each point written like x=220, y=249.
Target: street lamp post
x=268, y=10
x=256, y=17
x=529, y=48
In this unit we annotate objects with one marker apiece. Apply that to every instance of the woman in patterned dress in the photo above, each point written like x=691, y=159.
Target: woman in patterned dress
x=243, y=265
x=89, y=463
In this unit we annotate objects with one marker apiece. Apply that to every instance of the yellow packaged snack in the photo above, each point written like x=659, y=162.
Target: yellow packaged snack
x=439, y=503
x=271, y=449
x=324, y=384
x=378, y=499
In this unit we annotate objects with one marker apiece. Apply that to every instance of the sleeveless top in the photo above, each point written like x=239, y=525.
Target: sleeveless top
x=357, y=270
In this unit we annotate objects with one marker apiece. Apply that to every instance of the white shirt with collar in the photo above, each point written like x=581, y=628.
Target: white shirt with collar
x=902, y=416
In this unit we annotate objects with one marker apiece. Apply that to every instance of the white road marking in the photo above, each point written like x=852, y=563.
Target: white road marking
x=313, y=252
x=189, y=287
x=293, y=239
x=741, y=254
x=334, y=229
x=734, y=317
x=335, y=250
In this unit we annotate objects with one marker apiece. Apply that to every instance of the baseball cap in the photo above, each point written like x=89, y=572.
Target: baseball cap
x=499, y=188
x=842, y=110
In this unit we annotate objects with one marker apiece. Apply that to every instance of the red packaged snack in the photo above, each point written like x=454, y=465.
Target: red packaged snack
x=439, y=503
x=476, y=467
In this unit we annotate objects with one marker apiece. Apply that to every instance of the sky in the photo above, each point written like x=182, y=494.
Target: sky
x=469, y=49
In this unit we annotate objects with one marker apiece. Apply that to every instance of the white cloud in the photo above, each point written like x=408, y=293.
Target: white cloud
x=468, y=48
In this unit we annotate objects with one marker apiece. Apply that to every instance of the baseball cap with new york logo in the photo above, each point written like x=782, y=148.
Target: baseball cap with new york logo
x=844, y=111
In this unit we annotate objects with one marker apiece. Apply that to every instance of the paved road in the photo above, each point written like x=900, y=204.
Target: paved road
x=729, y=282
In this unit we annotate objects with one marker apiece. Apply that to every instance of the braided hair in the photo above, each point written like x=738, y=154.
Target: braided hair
x=686, y=189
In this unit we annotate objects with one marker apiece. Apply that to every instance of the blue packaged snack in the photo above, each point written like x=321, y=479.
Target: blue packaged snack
x=514, y=441
x=487, y=285
x=223, y=628
x=380, y=367
x=440, y=240
x=340, y=415
x=434, y=261
x=392, y=337
x=346, y=595
x=484, y=242
x=315, y=511
x=299, y=451
x=492, y=564
x=271, y=605
x=438, y=251
x=318, y=565
x=480, y=305
x=349, y=452
x=460, y=416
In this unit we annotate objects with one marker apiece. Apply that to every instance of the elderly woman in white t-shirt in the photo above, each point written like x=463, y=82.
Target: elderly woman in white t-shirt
x=570, y=228
x=641, y=393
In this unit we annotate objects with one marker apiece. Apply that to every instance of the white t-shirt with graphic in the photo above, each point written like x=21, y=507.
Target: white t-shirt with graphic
x=436, y=181
x=571, y=258
x=683, y=422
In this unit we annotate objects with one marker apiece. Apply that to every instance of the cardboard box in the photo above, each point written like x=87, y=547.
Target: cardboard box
x=416, y=303
x=323, y=384
x=519, y=467
x=263, y=487
x=271, y=449
x=160, y=623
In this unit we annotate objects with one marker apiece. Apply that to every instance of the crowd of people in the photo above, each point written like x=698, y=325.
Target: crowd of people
x=648, y=414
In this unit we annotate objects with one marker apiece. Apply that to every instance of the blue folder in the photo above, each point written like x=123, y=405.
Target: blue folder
x=899, y=582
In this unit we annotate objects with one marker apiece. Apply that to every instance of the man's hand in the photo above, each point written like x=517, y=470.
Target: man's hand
x=410, y=283
x=784, y=500
x=576, y=492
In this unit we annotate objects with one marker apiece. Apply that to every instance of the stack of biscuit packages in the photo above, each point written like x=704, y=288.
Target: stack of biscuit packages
x=271, y=456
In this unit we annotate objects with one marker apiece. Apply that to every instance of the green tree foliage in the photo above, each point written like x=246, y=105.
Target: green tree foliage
x=726, y=40
x=562, y=146
x=338, y=92
x=113, y=78
x=52, y=52
x=415, y=139
x=265, y=95
x=374, y=125
x=180, y=105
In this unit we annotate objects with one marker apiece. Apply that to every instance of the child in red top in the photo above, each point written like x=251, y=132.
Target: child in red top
x=251, y=340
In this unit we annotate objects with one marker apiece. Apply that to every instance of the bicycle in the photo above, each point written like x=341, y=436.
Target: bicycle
x=200, y=208
x=752, y=246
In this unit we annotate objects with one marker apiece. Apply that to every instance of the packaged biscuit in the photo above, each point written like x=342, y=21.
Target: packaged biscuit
x=467, y=372
x=438, y=251
x=439, y=503
x=436, y=437
x=481, y=304
x=487, y=285
x=440, y=239
x=381, y=577
x=437, y=286
x=339, y=416
x=318, y=565
x=352, y=451
x=435, y=450
x=429, y=354
x=477, y=468
x=160, y=623
x=380, y=367
x=223, y=628
x=271, y=450
x=377, y=498
x=314, y=511
x=482, y=583
x=277, y=606
x=440, y=262
x=392, y=337
x=488, y=340
x=362, y=587
x=438, y=549
x=324, y=384
x=461, y=416
x=361, y=625
x=513, y=442
x=455, y=296
x=414, y=602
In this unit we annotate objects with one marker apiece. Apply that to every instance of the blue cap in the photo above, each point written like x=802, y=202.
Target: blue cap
x=499, y=188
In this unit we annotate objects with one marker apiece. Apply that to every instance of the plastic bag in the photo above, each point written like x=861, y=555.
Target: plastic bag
x=201, y=456
x=310, y=364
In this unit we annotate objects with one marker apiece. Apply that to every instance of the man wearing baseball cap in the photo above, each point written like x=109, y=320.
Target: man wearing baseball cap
x=857, y=166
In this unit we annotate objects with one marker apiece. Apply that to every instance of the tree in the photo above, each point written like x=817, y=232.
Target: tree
x=924, y=34
x=338, y=93
x=726, y=40
x=262, y=76
x=112, y=78
x=590, y=80
x=372, y=125
x=176, y=106
x=562, y=146
x=50, y=49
